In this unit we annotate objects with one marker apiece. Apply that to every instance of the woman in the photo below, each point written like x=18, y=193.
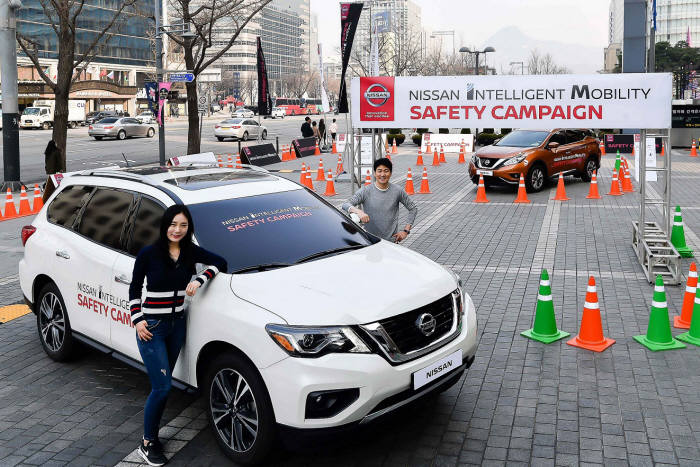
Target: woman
x=161, y=325
x=314, y=127
x=322, y=130
x=53, y=163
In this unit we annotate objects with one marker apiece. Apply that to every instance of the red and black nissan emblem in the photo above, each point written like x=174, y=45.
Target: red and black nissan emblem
x=376, y=95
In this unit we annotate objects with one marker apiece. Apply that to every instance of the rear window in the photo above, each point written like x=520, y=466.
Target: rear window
x=66, y=205
x=233, y=121
x=523, y=139
x=109, y=120
x=273, y=228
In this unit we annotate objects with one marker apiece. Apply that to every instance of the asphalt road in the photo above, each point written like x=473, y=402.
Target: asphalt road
x=84, y=152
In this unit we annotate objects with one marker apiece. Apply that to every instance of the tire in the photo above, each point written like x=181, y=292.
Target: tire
x=245, y=430
x=121, y=135
x=71, y=125
x=264, y=134
x=589, y=167
x=535, y=178
x=245, y=136
x=53, y=324
x=151, y=132
x=220, y=138
x=45, y=126
x=98, y=138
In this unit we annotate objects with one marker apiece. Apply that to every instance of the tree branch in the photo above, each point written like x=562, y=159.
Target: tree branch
x=21, y=39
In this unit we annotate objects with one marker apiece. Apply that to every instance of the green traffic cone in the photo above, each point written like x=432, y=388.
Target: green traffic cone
x=617, y=162
x=545, y=328
x=658, y=335
x=678, y=235
x=693, y=336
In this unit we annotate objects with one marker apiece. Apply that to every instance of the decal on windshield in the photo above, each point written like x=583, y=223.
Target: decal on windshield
x=253, y=219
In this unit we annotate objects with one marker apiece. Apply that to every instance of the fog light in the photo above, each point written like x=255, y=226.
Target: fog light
x=326, y=404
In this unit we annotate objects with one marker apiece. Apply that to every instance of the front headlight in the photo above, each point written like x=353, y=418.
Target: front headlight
x=315, y=341
x=515, y=160
x=474, y=159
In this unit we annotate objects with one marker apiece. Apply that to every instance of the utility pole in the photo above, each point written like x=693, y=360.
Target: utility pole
x=10, y=109
x=159, y=78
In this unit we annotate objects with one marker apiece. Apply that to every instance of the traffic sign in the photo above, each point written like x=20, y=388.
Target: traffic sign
x=203, y=100
x=182, y=77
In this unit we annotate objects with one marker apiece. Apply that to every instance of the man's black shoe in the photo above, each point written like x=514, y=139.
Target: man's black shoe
x=152, y=453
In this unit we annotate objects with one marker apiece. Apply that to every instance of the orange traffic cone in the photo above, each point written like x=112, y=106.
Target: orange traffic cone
x=309, y=182
x=590, y=336
x=615, y=185
x=427, y=148
x=368, y=179
x=593, y=190
x=335, y=149
x=10, y=210
x=38, y=200
x=663, y=150
x=230, y=162
x=24, y=208
x=436, y=158
x=602, y=149
x=461, y=159
x=283, y=153
x=424, y=185
x=683, y=321
x=419, y=159
x=330, y=186
x=409, y=183
x=317, y=151
x=561, y=190
x=522, y=192
x=394, y=149
x=219, y=162
x=627, y=186
x=481, y=191
x=238, y=161
x=442, y=155
x=694, y=150
x=387, y=154
x=302, y=177
x=320, y=174
x=339, y=168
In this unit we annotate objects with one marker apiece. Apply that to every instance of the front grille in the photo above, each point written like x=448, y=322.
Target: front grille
x=405, y=333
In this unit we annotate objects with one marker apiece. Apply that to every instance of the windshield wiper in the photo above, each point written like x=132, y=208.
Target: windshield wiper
x=262, y=267
x=329, y=252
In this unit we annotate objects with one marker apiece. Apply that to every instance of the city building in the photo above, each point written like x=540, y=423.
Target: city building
x=112, y=79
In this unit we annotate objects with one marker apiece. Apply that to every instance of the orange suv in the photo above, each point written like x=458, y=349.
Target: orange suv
x=537, y=155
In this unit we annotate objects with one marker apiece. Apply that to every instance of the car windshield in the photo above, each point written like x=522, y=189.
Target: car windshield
x=31, y=111
x=275, y=228
x=108, y=120
x=523, y=139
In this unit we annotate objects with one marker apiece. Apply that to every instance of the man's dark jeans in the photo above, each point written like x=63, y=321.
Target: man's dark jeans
x=160, y=355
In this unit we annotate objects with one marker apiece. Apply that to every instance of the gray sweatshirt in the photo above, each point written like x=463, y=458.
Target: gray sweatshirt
x=382, y=207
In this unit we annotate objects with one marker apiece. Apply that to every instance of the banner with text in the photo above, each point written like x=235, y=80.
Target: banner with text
x=449, y=142
x=627, y=100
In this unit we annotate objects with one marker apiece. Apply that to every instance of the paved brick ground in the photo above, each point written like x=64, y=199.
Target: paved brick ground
x=521, y=403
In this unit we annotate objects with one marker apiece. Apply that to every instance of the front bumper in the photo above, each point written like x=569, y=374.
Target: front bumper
x=507, y=175
x=383, y=387
x=30, y=124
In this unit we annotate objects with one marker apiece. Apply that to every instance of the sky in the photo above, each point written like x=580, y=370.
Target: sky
x=581, y=23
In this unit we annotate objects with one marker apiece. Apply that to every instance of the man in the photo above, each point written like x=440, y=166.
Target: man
x=306, y=130
x=334, y=129
x=380, y=205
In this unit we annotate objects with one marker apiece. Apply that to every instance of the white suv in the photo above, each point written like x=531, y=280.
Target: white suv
x=316, y=324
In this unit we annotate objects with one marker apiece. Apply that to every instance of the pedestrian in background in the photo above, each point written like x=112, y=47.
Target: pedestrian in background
x=53, y=164
x=334, y=129
x=380, y=205
x=322, y=130
x=306, y=130
x=314, y=127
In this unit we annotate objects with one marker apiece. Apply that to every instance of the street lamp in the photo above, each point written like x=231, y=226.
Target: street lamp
x=445, y=33
x=477, y=52
x=522, y=66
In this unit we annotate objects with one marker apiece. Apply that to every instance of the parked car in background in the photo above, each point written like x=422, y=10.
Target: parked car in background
x=242, y=112
x=252, y=108
x=120, y=128
x=41, y=114
x=93, y=117
x=239, y=128
x=277, y=112
x=146, y=116
x=215, y=107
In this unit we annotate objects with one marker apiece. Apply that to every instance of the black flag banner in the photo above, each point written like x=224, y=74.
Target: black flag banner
x=264, y=99
x=349, y=18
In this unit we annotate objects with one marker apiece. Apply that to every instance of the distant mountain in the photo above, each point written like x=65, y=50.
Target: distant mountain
x=512, y=45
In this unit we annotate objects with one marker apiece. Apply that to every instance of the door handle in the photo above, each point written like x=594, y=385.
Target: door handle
x=122, y=279
x=62, y=254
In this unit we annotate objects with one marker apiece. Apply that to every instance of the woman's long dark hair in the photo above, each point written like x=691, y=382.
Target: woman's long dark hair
x=186, y=242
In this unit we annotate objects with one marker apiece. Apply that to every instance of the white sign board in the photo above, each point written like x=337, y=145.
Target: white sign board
x=341, y=140
x=210, y=75
x=651, y=158
x=447, y=141
x=204, y=158
x=623, y=100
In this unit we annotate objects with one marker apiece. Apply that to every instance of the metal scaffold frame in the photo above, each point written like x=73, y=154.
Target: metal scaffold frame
x=651, y=241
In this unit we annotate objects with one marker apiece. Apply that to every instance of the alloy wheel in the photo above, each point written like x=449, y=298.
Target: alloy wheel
x=52, y=322
x=537, y=179
x=234, y=410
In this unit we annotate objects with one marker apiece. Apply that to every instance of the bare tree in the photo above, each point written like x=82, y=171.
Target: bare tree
x=399, y=53
x=205, y=18
x=439, y=63
x=73, y=55
x=538, y=64
x=299, y=84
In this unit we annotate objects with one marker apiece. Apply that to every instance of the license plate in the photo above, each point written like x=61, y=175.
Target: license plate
x=437, y=369
x=485, y=172
x=225, y=127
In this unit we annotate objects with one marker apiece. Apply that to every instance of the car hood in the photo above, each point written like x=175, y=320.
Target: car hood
x=356, y=287
x=500, y=152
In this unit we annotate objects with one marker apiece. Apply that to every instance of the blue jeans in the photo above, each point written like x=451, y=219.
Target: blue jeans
x=160, y=355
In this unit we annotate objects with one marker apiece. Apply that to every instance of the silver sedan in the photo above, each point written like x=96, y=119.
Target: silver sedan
x=120, y=128
x=239, y=128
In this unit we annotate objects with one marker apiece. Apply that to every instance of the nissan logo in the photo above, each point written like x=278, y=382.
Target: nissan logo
x=486, y=162
x=426, y=324
x=376, y=95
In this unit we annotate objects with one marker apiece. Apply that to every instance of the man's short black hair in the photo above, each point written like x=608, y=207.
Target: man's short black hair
x=307, y=118
x=385, y=162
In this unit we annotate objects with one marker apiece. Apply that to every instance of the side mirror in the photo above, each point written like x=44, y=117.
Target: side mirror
x=496, y=141
x=553, y=145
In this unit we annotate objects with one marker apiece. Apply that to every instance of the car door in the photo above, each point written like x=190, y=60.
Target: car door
x=558, y=154
x=139, y=129
x=93, y=252
x=576, y=140
x=253, y=128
